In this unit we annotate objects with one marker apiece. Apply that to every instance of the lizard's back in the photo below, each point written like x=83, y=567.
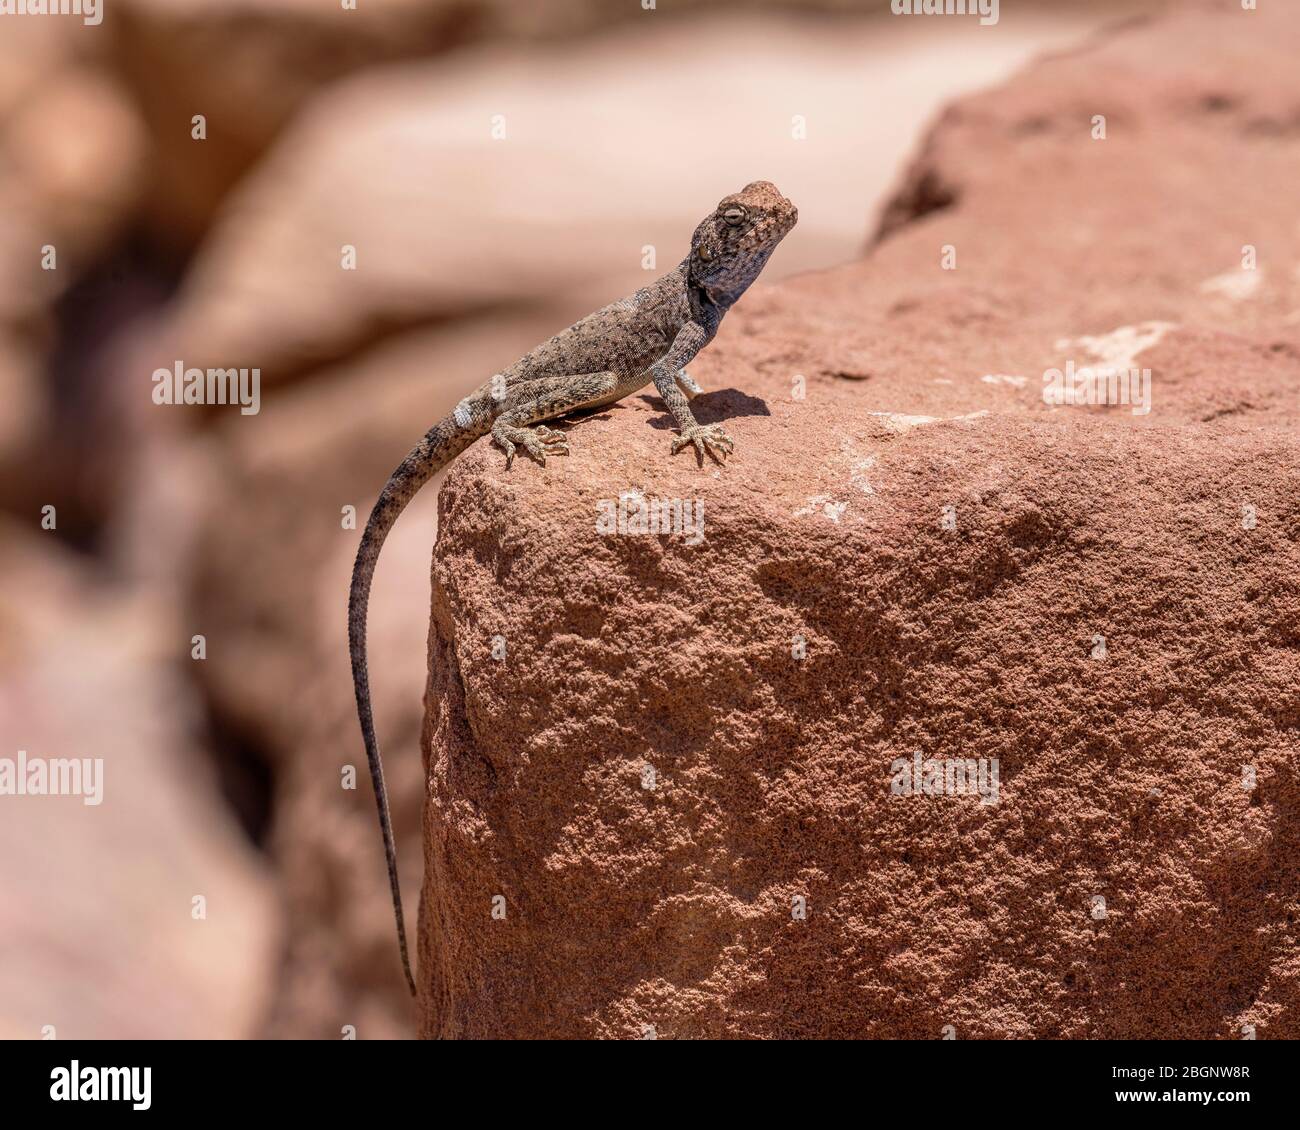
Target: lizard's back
x=625, y=337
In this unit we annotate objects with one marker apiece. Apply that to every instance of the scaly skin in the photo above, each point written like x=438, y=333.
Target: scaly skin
x=648, y=337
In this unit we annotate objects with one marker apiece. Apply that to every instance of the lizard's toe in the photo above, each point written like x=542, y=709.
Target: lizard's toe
x=710, y=440
x=540, y=447
x=551, y=441
x=537, y=442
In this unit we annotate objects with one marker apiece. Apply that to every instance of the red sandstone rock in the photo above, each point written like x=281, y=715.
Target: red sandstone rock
x=1106, y=603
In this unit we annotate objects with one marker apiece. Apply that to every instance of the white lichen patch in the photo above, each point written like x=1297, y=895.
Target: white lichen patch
x=1236, y=286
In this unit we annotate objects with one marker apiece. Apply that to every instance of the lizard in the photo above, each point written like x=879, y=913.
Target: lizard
x=646, y=338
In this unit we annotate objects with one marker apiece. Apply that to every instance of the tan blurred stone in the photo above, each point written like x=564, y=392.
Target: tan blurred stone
x=249, y=66
x=22, y=405
x=76, y=151
x=97, y=936
x=179, y=53
x=71, y=158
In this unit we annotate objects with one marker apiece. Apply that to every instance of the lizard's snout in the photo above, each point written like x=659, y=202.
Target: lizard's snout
x=763, y=194
x=785, y=214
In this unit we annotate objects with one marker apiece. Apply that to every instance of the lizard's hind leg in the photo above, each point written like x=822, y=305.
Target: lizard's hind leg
x=531, y=401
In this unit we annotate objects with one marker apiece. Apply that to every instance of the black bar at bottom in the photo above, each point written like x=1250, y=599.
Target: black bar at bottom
x=333, y=1080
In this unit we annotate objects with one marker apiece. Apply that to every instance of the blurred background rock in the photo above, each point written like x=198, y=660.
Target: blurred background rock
x=329, y=128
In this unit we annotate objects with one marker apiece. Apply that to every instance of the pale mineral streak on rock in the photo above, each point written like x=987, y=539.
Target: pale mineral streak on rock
x=1118, y=349
x=824, y=505
x=858, y=474
x=1236, y=286
x=899, y=422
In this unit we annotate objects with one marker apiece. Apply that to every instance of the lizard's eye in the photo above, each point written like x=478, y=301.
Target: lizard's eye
x=735, y=215
x=704, y=253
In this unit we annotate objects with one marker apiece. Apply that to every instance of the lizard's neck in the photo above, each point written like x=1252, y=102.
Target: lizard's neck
x=705, y=307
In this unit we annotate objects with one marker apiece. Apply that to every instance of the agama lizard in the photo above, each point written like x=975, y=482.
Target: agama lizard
x=647, y=337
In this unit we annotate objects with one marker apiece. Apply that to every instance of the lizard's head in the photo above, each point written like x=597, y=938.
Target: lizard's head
x=734, y=243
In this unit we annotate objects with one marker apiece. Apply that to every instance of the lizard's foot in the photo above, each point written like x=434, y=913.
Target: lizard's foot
x=538, y=442
x=706, y=437
x=688, y=386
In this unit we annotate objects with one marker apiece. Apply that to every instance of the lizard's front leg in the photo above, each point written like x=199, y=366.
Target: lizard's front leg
x=670, y=382
x=545, y=399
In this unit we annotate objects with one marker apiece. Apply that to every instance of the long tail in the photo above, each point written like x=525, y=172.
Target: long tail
x=443, y=442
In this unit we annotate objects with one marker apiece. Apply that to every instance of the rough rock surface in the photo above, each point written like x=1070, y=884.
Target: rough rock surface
x=1104, y=602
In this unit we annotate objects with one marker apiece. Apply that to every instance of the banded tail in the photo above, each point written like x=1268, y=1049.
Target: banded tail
x=443, y=442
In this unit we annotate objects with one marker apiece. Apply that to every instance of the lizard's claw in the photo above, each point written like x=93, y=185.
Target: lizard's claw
x=553, y=438
x=707, y=438
x=538, y=442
